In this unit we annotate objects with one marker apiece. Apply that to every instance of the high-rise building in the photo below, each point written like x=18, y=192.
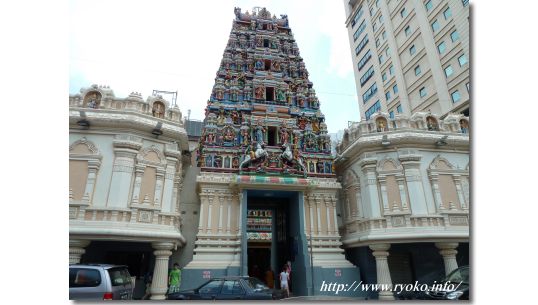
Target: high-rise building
x=410, y=55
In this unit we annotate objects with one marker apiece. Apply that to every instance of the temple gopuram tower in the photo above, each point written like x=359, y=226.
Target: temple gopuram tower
x=267, y=186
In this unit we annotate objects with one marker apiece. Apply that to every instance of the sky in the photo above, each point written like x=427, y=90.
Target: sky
x=139, y=46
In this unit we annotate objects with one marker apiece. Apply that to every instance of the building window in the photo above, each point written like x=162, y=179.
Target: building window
x=422, y=92
x=441, y=47
x=371, y=11
x=412, y=50
x=380, y=19
x=364, y=60
x=377, y=43
x=448, y=71
x=455, y=96
x=399, y=108
x=417, y=70
x=462, y=60
x=384, y=35
x=357, y=16
x=403, y=12
x=391, y=114
x=407, y=30
x=361, y=45
x=369, y=93
x=381, y=58
x=447, y=13
x=376, y=107
x=375, y=26
x=395, y=89
x=359, y=31
x=387, y=95
x=435, y=26
x=391, y=70
x=454, y=36
x=467, y=85
x=465, y=2
x=367, y=75
x=387, y=52
x=429, y=5
x=377, y=3
x=384, y=77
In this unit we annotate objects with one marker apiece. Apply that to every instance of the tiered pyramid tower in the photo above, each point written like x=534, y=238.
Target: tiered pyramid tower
x=263, y=115
x=264, y=136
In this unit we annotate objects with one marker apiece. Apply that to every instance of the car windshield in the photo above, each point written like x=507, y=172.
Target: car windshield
x=255, y=283
x=459, y=275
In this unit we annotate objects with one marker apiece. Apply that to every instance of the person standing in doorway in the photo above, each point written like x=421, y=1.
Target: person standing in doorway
x=288, y=270
x=284, y=277
x=174, y=279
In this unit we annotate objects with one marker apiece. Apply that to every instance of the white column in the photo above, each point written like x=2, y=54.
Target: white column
x=228, y=214
x=139, y=171
x=327, y=214
x=167, y=203
x=203, y=200
x=384, y=196
x=457, y=182
x=157, y=196
x=209, y=227
x=436, y=192
x=448, y=251
x=220, y=214
x=335, y=220
x=162, y=253
x=122, y=173
x=411, y=164
x=311, y=210
x=318, y=203
x=358, y=201
x=372, y=204
x=76, y=249
x=383, y=272
x=403, y=197
x=93, y=167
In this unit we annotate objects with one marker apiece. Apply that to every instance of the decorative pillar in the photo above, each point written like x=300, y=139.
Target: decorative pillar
x=328, y=213
x=436, y=193
x=410, y=161
x=384, y=196
x=76, y=249
x=228, y=214
x=403, y=196
x=457, y=182
x=168, y=189
x=125, y=149
x=383, y=272
x=221, y=199
x=318, y=223
x=203, y=203
x=372, y=209
x=209, y=227
x=358, y=202
x=448, y=251
x=93, y=167
x=335, y=220
x=159, y=285
x=311, y=210
x=139, y=171
x=159, y=177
